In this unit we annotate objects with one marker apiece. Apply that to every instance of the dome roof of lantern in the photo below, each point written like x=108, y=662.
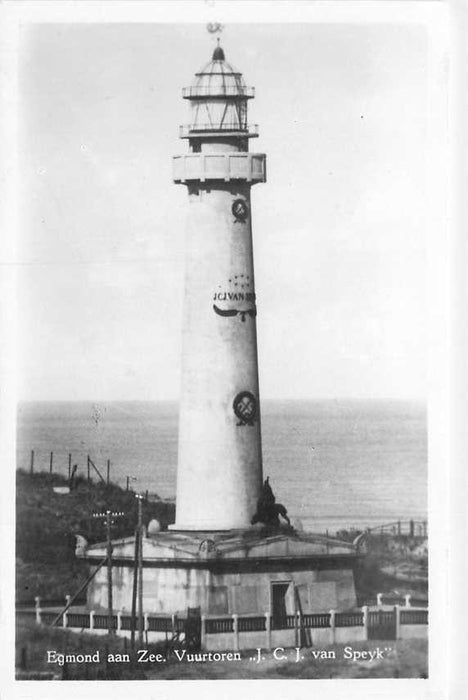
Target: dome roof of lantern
x=218, y=74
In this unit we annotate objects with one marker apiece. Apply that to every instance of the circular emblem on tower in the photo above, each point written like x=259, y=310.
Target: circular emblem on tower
x=240, y=210
x=245, y=408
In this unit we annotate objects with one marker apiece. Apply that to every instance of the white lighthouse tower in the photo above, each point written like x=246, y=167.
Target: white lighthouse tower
x=212, y=562
x=219, y=475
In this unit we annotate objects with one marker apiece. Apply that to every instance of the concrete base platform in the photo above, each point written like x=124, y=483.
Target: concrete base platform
x=237, y=572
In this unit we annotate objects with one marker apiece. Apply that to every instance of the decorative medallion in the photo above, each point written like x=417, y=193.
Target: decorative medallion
x=245, y=408
x=240, y=210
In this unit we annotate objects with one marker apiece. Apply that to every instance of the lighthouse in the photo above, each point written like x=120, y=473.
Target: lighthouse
x=212, y=562
x=219, y=472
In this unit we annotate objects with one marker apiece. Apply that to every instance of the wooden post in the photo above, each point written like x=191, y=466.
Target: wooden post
x=32, y=461
x=88, y=468
x=69, y=465
x=110, y=625
x=140, y=572
x=134, y=591
x=128, y=480
x=108, y=472
x=51, y=462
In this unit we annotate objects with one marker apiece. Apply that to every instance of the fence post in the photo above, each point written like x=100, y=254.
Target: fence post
x=37, y=602
x=365, y=620
x=235, y=631
x=379, y=599
x=332, y=625
x=108, y=471
x=174, y=625
x=408, y=600
x=145, y=622
x=119, y=620
x=32, y=461
x=268, y=630
x=69, y=465
x=51, y=462
x=203, y=632
x=397, y=621
x=91, y=619
x=297, y=627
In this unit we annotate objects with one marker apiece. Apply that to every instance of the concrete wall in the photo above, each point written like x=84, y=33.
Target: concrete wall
x=413, y=632
x=173, y=590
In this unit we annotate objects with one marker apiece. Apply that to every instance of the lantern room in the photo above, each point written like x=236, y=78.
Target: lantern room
x=218, y=105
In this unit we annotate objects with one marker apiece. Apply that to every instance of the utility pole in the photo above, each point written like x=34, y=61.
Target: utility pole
x=130, y=478
x=140, y=570
x=110, y=612
x=108, y=515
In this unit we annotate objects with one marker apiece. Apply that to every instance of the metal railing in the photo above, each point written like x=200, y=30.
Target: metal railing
x=101, y=622
x=159, y=624
x=78, y=620
x=354, y=619
x=186, y=130
x=252, y=624
x=218, y=91
x=316, y=620
x=219, y=624
x=413, y=617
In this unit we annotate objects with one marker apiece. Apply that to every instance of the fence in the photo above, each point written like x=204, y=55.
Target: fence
x=247, y=631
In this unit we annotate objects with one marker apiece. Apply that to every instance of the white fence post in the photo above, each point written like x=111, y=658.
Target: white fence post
x=365, y=620
x=119, y=620
x=203, y=632
x=235, y=631
x=91, y=619
x=408, y=600
x=379, y=599
x=297, y=631
x=268, y=630
x=37, y=601
x=397, y=621
x=332, y=625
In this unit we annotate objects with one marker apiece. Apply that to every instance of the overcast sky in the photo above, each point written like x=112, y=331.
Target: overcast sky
x=339, y=228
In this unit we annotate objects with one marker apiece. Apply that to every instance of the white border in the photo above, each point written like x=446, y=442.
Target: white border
x=434, y=15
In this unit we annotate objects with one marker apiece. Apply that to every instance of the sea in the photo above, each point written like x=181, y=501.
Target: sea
x=335, y=464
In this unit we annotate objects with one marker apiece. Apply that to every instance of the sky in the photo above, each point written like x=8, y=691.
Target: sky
x=340, y=227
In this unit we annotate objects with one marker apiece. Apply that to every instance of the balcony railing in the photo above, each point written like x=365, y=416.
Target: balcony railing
x=195, y=91
x=188, y=130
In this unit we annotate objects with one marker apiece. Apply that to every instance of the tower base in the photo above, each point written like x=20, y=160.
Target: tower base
x=244, y=573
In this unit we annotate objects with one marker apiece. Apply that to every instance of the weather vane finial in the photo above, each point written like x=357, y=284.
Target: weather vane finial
x=214, y=28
